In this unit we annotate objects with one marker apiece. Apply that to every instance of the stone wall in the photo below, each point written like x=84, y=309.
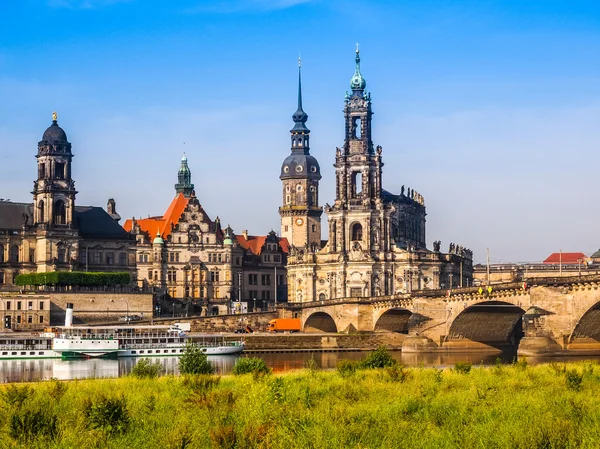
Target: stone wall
x=90, y=308
x=224, y=323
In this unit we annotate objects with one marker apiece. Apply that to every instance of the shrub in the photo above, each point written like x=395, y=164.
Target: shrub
x=311, y=365
x=79, y=278
x=463, y=367
x=26, y=425
x=108, y=414
x=380, y=358
x=194, y=361
x=247, y=365
x=346, y=368
x=146, y=369
x=14, y=395
x=397, y=373
x=573, y=380
x=201, y=384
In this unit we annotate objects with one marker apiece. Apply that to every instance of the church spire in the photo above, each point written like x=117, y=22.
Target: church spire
x=300, y=117
x=300, y=131
x=184, y=179
x=357, y=83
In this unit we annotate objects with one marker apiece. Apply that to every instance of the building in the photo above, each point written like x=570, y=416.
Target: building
x=53, y=233
x=377, y=240
x=189, y=257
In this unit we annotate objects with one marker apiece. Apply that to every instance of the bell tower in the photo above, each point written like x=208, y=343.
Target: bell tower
x=300, y=175
x=57, y=244
x=184, y=179
x=54, y=190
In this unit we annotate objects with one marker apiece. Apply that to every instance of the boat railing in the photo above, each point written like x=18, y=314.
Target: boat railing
x=22, y=347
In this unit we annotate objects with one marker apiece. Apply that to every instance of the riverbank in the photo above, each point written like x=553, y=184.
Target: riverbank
x=552, y=405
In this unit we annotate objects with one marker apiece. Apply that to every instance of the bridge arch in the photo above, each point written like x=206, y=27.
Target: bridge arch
x=320, y=322
x=393, y=320
x=494, y=323
x=588, y=326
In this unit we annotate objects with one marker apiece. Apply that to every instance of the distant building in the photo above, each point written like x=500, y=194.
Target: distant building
x=188, y=256
x=377, y=240
x=54, y=234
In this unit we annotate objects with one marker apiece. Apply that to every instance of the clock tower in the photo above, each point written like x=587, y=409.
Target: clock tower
x=300, y=175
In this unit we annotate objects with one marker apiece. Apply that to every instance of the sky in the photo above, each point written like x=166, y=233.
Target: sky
x=489, y=109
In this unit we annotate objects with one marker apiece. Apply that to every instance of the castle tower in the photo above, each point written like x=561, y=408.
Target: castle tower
x=300, y=175
x=184, y=179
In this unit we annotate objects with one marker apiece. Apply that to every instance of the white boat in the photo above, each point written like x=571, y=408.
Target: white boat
x=113, y=341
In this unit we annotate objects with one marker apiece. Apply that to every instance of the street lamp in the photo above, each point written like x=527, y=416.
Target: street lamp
x=254, y=309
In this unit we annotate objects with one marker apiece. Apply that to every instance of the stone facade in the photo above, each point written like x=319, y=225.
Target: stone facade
x=377, y=240
x=188, y=256
x=53, y=234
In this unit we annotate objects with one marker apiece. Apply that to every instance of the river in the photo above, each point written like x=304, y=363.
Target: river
x=44, y=369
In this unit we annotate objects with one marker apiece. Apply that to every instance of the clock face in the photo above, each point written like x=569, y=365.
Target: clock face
x=299, y=221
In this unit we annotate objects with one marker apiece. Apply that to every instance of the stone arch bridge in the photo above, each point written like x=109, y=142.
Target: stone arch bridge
x=562, y=313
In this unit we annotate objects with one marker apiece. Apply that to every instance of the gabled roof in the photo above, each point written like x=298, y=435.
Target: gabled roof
x=161, y=225
x=566, y=258
x=255, y=243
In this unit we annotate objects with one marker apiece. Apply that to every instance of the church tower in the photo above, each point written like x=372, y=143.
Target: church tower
x=184, y=179
x=355, y=219
x=300, y=175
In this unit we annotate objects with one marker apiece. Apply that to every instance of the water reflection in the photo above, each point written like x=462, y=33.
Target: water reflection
x=44, y=369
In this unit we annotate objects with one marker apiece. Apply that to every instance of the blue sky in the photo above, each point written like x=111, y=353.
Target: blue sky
x=490, y=109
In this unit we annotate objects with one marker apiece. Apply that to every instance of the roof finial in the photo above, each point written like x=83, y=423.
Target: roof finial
x=54, y=116
x=299, y=61
x=357, y=50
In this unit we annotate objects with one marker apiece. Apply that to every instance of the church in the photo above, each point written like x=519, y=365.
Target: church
x=53, y=233
x=376, y=239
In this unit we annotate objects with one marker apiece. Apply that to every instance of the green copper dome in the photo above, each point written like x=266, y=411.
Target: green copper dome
x=357, y=82
x=158, y=239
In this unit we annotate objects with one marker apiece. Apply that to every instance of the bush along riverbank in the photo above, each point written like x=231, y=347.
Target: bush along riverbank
x=360, y=405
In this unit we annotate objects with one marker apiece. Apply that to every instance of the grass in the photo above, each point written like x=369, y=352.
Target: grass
x=504, y=406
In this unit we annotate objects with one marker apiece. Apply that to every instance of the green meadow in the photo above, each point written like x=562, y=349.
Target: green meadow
x=504, y=406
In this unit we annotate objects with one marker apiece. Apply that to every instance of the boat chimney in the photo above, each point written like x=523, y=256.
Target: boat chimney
x=69, y=315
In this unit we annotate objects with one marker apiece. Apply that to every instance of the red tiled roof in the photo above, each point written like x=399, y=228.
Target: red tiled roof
x=254, y=243
x=161, y=225
x=566, y=258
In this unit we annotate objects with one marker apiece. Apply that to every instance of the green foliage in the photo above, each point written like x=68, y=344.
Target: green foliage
x=27, y=425
x=521, y=364
x=463, y=367
x=78, y=278
x=107, y=413
x=573, y=380
x=194, y=361
x=540, y=407
x=16, y=395
x=146, y=369
x=380, y=358
x=245, y=365
x=346, y=368
x=311, y=365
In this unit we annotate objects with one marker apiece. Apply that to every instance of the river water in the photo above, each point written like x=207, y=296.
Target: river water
x=44, y=369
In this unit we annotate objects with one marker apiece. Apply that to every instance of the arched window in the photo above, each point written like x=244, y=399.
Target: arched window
x=356, y=232
x=61, y=253
x=14, y=254
x=1, y=253
x=60, y=213
x=322, y=297
x=357, y=184
x=41, y=211
x=356, y=128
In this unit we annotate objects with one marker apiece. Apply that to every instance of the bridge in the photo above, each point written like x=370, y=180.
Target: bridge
x=548, y=315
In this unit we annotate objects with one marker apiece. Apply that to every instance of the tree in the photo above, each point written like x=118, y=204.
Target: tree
x=194, y=361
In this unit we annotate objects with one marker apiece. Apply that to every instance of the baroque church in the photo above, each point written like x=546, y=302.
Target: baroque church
x=377, y=241
x=189, y=256
x=53, y=233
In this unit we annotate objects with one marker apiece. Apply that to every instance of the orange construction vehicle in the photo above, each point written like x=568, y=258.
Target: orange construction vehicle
x=284, y=325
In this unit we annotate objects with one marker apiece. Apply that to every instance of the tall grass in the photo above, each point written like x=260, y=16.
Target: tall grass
x=549, y=406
